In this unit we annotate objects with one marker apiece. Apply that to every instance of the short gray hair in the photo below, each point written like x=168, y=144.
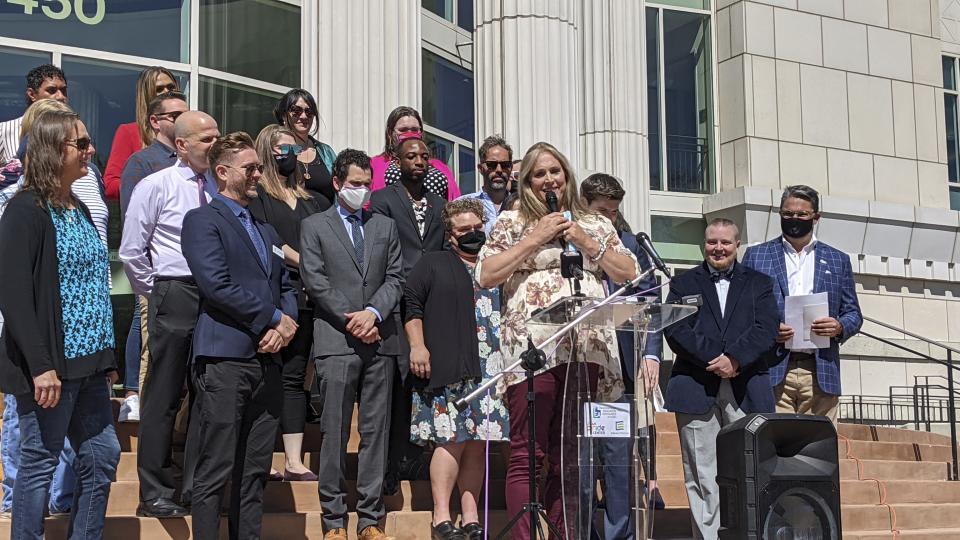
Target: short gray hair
x=492, y=142
x=724, y=222
x=801, y=191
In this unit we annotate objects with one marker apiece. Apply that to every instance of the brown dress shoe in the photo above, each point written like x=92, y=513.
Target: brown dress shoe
x=373, y=533
x=336, y=534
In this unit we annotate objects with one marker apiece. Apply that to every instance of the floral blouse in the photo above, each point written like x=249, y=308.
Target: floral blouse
x=537, y=284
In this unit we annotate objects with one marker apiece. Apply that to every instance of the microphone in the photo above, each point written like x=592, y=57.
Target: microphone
x=571, y=261
x=647, y=245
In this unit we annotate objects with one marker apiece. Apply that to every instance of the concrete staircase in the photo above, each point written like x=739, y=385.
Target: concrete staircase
x=891, y=480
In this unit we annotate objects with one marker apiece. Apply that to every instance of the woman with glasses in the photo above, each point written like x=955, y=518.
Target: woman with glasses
x=284, y=202
x=404, y=123
x=297, y=111
x=60, y=361
x=137, y=135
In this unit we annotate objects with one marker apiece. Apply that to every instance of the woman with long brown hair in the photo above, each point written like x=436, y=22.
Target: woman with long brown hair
x=59, y=362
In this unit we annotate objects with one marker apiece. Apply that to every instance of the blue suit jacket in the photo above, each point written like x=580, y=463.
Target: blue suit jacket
x=833, y=275
x=625, y=338
x=238, y=296
x=746, y=332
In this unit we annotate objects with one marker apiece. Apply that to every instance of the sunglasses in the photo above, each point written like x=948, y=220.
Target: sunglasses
x=82, y=144
x=287, y=148
x=172, y=87
x=492, y=165
x=173, y=115
x=249, y=169
x=297, y=110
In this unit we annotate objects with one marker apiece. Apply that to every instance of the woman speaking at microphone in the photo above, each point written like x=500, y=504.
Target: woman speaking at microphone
x=523, y=255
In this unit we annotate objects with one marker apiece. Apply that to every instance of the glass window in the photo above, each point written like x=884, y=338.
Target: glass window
x=653, y=96
x=237, y=107
x=678, y=239
x=954, y=198
x=949, y=74
x=465, y=14
x=14, y=65
x=692, y=4
x=441, y=8
x=259, y=39
x=440, y=148
x=447, y=96
x=467, y=173
x=151, y=28
x=953, y=150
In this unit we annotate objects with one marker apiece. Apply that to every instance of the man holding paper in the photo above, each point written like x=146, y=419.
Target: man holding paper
x=818, y=307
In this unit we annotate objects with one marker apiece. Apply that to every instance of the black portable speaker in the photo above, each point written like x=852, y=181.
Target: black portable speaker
x=779, y=478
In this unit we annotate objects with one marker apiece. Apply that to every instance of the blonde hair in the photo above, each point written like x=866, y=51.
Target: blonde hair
x=531, y=208
x=271, y=181
x=37, y=108
x=146, y=91
x=49, y=131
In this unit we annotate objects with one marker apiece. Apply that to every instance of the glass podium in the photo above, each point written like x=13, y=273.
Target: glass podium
x=607, y=444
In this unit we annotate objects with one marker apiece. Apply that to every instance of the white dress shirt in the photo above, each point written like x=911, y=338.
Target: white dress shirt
x=9, y=139
x=151, y=232
x=800, y=266
x=723, y=287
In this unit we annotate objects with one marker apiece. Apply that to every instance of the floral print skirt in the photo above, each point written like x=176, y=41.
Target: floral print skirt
x=436, y=420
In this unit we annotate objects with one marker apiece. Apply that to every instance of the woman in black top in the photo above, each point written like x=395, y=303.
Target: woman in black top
x=284, y=202
x=297, y=111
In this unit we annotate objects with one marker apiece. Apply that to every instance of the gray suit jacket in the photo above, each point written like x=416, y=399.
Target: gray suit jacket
x=333, y=279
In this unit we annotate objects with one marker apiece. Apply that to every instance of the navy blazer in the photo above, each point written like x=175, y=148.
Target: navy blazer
x=238, y=296
x=833, y=274
x=746, y=332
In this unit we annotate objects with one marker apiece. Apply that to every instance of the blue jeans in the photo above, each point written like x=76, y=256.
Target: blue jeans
x=64, y=480
x=131, y=353
x=85, y=416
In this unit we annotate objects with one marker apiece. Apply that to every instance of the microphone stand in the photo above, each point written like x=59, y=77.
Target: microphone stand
x=532, y=360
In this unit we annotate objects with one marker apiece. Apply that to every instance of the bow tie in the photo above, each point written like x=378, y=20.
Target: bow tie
x=716, y=276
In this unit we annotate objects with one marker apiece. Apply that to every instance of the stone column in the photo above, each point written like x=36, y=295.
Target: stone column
x=368, y=62
x=613, y=112
x=525, y=73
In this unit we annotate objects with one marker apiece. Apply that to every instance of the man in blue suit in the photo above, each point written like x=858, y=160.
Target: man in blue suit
x=720, y=371
x=247, y=314
x=808, y=381
x=603, y=194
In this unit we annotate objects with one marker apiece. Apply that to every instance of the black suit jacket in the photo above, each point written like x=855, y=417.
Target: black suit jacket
x=746, y=332
x=393, y=202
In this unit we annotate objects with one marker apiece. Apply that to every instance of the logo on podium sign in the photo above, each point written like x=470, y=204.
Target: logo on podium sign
x=606, y=420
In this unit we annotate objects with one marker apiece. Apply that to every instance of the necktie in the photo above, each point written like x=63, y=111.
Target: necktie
x=356, y=231
x=200, y=191
x=254, y=236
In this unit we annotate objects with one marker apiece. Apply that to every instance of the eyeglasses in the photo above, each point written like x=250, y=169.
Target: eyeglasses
x=172, y=115
x=162, y=89
x=797, y=215
x=492, y=165
x=81, y=144
x=287, y=148
x=297, y=110
x=249, y=169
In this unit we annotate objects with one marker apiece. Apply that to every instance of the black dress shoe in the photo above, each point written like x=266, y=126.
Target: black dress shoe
x=161, y=508
x=446, y=531
x=473, y=531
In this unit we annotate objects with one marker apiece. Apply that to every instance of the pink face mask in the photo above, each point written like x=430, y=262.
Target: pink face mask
x=408, y=135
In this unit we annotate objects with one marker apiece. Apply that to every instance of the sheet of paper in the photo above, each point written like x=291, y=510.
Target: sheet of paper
x=799, y=312
x=606, y=419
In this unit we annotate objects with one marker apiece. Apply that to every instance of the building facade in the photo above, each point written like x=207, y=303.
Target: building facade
x=704, y=108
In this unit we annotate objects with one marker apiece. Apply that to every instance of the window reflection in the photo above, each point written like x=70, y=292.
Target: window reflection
x=237, y=107
x=467, y=175
x=14, y=65
x=653, y=95
x=447, y=96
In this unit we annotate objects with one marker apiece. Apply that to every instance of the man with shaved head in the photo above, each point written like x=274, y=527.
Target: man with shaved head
x=152, y=258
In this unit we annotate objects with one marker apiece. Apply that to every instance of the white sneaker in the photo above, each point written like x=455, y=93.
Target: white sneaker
x=130, y=410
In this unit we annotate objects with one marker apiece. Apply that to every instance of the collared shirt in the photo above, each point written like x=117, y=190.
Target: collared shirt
x=722, y=283
x=238, y=210
x=345, y=219
x=489, y=209
x=800, y=267
x=151, y=233
x=9, y=139
x=142, y=164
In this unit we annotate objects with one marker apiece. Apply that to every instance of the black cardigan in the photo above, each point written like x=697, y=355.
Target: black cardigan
x=30, y=300
x=440, y=292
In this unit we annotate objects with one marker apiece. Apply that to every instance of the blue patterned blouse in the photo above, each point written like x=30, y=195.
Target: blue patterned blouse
x=84, y=292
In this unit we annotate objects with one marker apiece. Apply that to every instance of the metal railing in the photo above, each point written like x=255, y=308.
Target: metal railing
x=922, y=396
x=688, y=164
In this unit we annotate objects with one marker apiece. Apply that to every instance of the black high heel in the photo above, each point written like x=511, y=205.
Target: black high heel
x=446, y=531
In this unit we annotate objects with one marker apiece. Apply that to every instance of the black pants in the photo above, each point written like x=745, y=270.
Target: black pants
x=173, y=311
x=295, y=357
x=238, y=404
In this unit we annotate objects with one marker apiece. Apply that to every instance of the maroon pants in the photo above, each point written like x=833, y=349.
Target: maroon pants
x=548, y=396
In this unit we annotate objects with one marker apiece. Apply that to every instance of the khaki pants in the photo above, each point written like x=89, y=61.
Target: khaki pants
x=799, y=392
x=144, y=340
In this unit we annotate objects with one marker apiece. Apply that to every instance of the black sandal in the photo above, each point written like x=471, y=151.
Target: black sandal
x=446, y=531
x=473, y=531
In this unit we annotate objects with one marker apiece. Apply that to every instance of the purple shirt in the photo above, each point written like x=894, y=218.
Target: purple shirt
x=151, y=232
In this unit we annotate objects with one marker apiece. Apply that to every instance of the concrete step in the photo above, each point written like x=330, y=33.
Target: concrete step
x=893, y=470
x=903, y=516
x=915, y=534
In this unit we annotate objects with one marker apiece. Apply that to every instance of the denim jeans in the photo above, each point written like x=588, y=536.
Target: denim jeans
x=85, y=416
x=64, y=480
x=131, y=352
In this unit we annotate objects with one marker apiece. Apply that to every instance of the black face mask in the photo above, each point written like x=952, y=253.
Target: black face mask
x=286, y=164
x=472, y=242
x=795, y=228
